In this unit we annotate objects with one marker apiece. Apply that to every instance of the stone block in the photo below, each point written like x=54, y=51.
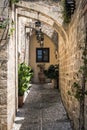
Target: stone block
x=1, y=32
x=3, y=53
x=3, y=97
x=3, y=75
x=3, y=84
x=3, y=45
x=3, y=127
x=3, y=110
x=3, y=64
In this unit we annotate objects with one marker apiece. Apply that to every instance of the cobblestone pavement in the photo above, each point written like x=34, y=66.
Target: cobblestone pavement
x=42, y=110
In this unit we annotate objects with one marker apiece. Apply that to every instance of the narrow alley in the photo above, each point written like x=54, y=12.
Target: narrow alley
x=42, y=110
x=43, y=43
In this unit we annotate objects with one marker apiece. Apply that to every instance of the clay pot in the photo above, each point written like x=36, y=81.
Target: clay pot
x=20, y=101
x=41, y=77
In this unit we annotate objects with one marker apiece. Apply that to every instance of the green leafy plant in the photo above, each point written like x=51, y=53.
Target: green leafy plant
x=11, y=30
x=14, y=1
x=3, y=22
x=51, y=72
x=25, y=74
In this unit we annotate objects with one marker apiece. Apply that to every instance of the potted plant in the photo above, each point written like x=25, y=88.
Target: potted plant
x=25, y=74
x=41, y=75
x=52, y=73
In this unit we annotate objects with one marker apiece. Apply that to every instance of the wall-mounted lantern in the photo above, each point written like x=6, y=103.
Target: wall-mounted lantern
x=71, y=5
x=39, y=33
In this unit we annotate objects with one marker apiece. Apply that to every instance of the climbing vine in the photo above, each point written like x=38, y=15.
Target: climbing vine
x=79, y=86
x=11, y=29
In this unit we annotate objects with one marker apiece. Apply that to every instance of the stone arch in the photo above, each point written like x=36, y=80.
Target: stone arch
x=55, y=20
x=30, y=10
x=47, y=30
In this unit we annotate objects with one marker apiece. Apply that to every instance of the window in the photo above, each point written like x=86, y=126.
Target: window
x=42, y=54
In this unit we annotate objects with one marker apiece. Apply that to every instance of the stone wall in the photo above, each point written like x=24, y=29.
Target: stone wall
x=11, y=76
x=3, y=83
x=84, y=7
x=11, y=73
x=70, y=62
x=7, y=75
x=3, y=73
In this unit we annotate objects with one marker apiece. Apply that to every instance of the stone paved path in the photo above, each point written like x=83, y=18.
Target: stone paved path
x=43, y=110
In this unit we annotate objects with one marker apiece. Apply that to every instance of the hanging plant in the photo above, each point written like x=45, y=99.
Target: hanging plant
x=14, y=1
x=3, y=22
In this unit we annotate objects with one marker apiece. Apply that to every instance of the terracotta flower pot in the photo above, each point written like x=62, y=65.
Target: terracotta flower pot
x=41, y=77
x=20, y=101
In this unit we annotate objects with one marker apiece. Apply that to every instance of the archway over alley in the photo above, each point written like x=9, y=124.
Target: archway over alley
x=19, y=37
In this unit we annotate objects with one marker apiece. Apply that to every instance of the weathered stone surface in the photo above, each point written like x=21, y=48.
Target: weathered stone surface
x=3, y=75
x=69, y=63
x=3, y=63
x=3, y=96
x=3, y=45
x=1, y=32
x=3, y=84
x=3, y=127
x=3, y=54
x=3, y=111
x=3, y=69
